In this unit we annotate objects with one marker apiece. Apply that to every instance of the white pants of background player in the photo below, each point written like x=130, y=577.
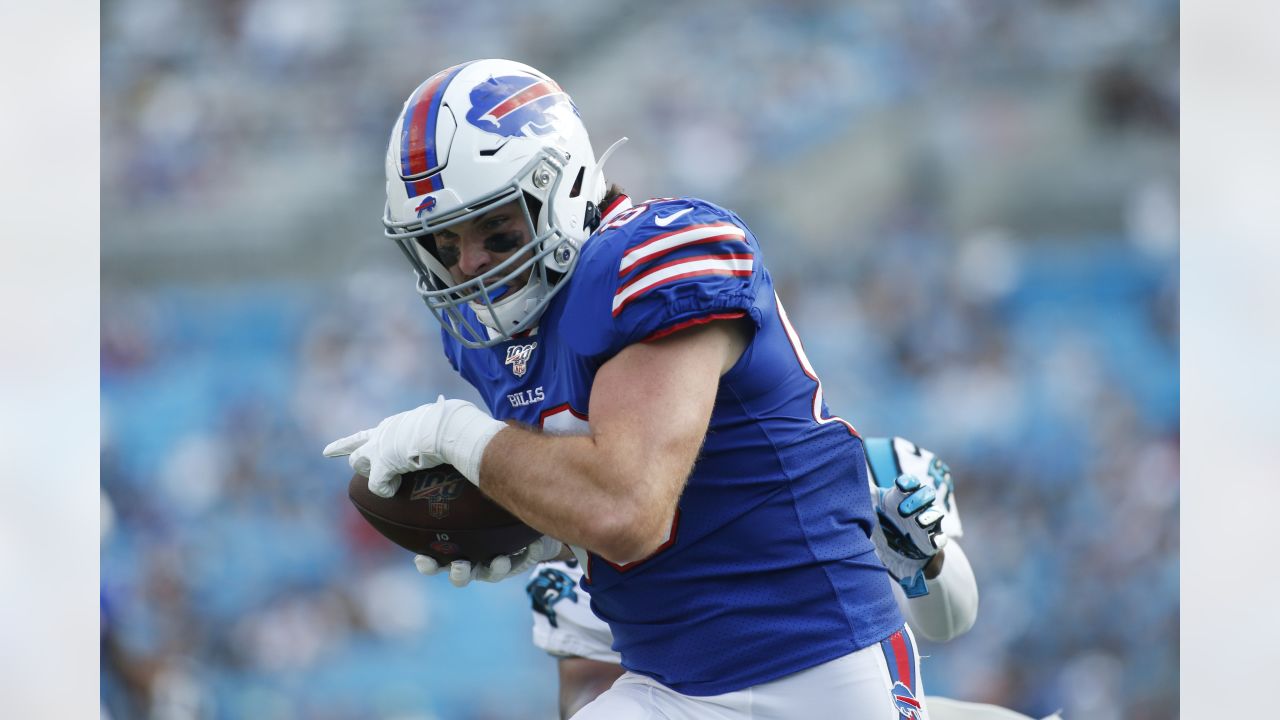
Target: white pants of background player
x=579, y=633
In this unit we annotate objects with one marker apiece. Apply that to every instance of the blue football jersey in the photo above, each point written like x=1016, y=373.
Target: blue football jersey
x=768, y=568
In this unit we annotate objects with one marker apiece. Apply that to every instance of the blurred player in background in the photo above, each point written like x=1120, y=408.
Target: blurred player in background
x=936, y=588
x=664, y=419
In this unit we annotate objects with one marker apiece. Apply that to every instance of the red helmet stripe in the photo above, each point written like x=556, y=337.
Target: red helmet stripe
x=538, y=89
x=418, y=131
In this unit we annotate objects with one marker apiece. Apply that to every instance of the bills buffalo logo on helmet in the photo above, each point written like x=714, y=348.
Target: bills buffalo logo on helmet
x=428, y=204
x=438, y=491
x=518, y=105
x=906, y=702
x=518, y=358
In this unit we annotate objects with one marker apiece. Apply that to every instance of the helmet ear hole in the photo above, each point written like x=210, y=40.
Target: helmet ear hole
x=535, y=208
x=577, y=183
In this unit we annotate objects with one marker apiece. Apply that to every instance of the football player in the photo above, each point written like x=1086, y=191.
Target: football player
x=936, y=589
x=648, y=403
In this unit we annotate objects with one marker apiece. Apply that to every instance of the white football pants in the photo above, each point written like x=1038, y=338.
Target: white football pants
x=880, y=682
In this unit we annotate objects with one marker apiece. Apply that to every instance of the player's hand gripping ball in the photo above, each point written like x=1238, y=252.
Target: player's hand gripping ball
x=438, y=514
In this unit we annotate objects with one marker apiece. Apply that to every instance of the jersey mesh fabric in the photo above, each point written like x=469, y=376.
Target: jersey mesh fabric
x=770, y=569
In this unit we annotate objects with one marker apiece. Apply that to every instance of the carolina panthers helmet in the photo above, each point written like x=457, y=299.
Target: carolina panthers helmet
x=471, y=138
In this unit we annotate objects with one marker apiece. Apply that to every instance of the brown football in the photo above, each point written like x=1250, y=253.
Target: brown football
x=438, y=512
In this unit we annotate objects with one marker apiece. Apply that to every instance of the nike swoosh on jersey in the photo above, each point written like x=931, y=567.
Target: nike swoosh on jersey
x=666, y=220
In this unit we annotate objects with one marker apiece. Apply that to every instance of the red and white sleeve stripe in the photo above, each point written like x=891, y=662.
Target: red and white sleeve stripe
x=691, y=235
x=720, y=264
x=728, y=259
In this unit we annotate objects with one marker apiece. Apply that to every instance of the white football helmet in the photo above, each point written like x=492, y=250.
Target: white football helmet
x=471, y=138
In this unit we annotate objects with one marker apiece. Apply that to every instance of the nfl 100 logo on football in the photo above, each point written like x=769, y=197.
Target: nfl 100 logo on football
x=518, y=358
x=438, y=489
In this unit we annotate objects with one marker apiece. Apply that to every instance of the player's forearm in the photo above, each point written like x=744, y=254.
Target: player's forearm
x=578, y=489
x=614, y=491
x=951, y=606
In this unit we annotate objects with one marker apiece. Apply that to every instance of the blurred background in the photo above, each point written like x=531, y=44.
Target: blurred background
x=970, y=210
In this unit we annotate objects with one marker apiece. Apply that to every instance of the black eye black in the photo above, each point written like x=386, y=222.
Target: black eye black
x=448, y=256
x=502, y=242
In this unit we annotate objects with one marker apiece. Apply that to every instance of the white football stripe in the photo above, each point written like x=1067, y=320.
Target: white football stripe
x=808, y=369
x=657, y=277
x=677, y=239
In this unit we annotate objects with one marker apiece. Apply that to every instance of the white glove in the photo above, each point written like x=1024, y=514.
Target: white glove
x=915, y=460
x=909, y=533
x=500, y=568
x=913, y=497
x=445, y=431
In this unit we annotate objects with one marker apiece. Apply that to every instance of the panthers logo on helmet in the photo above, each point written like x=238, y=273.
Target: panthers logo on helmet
x=518, y=105
x=548, y=588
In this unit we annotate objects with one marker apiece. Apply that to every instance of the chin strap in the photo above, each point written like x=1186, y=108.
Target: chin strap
x=591, y=220
x=494, y=315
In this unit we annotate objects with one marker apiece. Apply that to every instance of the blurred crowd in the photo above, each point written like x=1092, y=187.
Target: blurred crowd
x=970, y=211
